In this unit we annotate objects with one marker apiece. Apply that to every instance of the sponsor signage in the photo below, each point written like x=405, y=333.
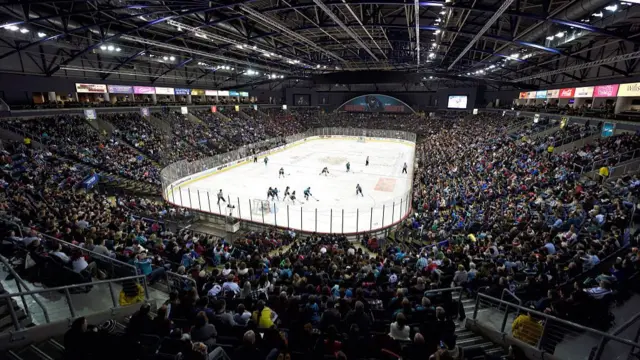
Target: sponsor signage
x=630, y=89
x=606, y=91
x=211, y=92
x=237, y=107
x=284, y=107
x=90, y=181
x=223, y=93
x=184, y=110
x=144, y=112
x=91, y=88
x=475, y=111
x=164, y=91
x=608, y=129
x=584, y=92
x=563, y=122
x=531, y=95
x=244, y=94
x=536, y=118
x=233, y=93
x=523, y=95
x=90, y=114
x=120, y=89
x=568, y=93
x=197, y=92
x=182, y=91
x=144, y=90
x=553, y=94
x=214, y=109
x=541, y=94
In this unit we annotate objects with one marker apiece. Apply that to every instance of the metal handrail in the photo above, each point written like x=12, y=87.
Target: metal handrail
x=67, y=294
x=505, y=291
x=22, y=285
x=452, y=289
x=547, y=318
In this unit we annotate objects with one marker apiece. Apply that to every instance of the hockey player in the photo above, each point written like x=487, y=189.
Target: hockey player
x=307, y=193
x=286, y=192
x=359, y=190
x=367, y=162
x=348, y=166
x=293, y=197
x=255, y=158
x=281, y=173
x=270, y=193
x=221, y=197
x=275, y=194
x=325, y=171
x=266, y=160
x=404, y=168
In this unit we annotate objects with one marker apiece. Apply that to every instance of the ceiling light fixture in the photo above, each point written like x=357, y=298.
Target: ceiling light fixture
x=24, y=30
x=110, y=48
x=11, y=27
x=172, y=58
x=103, y=47
x=612, y=8
x=41, y=34
x=560, y=34
x=165, y=58
x=118, y=49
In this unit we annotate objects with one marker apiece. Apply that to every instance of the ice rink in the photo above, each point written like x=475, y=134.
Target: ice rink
x=334, y=206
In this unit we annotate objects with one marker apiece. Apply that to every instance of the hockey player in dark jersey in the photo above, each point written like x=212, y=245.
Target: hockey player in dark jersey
x=325, y=171
x=281, y=173
x=359, y=190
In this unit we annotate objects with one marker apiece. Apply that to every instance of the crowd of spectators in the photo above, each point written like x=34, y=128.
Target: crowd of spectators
x=492, y=212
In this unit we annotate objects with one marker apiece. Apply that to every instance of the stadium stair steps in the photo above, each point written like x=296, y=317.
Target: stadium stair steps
x=160, y=123
x=138, y=187
x=244, y=115
x=469, y=340
x=6, y=323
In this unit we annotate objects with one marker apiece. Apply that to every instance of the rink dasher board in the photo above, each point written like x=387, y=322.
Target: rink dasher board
x=249, y=159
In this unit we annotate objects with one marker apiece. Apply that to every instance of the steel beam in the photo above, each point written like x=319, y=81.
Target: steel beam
x=505, y=5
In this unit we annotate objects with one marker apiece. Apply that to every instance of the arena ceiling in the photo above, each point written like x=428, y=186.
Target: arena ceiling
x=271, y=43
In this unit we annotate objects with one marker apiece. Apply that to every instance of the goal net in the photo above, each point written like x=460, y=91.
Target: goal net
x=260, y=206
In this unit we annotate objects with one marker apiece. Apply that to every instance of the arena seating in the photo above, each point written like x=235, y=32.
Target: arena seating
x=492, y=212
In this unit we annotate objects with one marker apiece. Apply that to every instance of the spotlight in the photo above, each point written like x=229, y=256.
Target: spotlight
x=110, y=48
x=165, y=58
x=41, y=34
x=172, y=58
x=118, y=49
x=103, y=47
x=24, y=30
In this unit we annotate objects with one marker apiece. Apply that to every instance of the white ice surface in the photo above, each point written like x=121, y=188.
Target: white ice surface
x=332, y=195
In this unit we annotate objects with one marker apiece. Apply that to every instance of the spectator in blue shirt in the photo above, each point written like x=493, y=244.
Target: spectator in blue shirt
x=145, y=266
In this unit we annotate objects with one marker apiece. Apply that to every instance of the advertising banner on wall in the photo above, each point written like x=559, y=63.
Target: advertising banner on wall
x=606, y=91
x=523, y=95
x=233, y=93
x=184, y=110
x=608, y=129
x=531, y=95
x=584, y=92
x=144, y=111
x=197, y=92
x=244, y=94
x=630, y=89
x=91, y=88
x=376, y=103
x=90, y=114
x=541, y=94
x=90, y=181
x=237, y=108
x=179, y=91
x=284, y=107
x=211, y=92
x=553, y=94
x=120, y=89
x=164, y=91
x=214, y=109
x=144, y=90
x=568, y=93
x=223, y=93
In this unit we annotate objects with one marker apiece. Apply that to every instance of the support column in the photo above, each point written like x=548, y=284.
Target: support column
x=51, y=96
x=189, y=99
